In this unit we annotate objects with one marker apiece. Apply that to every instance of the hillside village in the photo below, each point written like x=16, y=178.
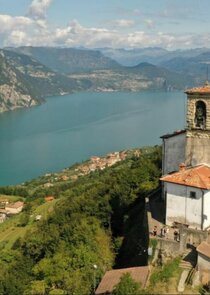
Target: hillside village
x=176, y=214
x=95, y=163
x=9, y=208
x=176, y=210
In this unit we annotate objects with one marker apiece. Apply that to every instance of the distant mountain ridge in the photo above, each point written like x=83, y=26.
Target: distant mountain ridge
x=196, y=66
x=29, y=74
x=144, y=76
x=68, y=60
x=154, y=55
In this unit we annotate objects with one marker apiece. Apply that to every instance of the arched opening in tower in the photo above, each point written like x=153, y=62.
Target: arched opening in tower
x=200, y=115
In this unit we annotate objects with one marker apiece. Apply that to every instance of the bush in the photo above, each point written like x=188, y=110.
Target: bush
x=127, y=286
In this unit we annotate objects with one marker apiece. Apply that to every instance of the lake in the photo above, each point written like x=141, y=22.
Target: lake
x=69, y=129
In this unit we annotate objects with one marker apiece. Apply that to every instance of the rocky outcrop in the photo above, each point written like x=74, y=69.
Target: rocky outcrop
x=13, y=90
x=11, y=99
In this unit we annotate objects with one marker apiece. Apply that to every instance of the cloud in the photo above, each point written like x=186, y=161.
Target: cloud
x=16, y=31
x=8, y=23
x=34, y=30
x=123, y=23
x=150, y=23
x=38, y=8
x=17, y=37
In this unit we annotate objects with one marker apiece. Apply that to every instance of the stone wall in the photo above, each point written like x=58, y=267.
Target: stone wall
x=191, y=103
x=197, y=147
x=191, y=237
x=169, y=247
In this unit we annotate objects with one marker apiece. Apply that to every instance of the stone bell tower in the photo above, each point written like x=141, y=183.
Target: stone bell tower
x=198, y=126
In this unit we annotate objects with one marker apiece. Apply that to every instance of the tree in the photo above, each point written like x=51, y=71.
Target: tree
x=127, y=286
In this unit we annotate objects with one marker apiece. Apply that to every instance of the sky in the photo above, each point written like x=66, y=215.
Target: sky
x=171, y=24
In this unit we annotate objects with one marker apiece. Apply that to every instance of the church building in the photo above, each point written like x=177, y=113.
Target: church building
x=186, y=165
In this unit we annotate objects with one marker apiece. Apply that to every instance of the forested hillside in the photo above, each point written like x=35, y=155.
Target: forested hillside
x=95, y=220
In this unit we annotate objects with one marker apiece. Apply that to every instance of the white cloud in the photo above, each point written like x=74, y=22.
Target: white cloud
x=36, y=31
x=123, y=23
x=17, y=37
x=8, y=23
x=38, y=8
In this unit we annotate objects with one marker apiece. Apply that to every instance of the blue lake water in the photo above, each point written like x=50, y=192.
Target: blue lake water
x=70, y=129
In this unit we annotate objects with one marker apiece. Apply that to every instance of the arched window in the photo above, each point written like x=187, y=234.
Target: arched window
x=200, y=115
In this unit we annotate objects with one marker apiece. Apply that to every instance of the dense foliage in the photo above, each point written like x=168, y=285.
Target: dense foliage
x=127, y=286
x=96, y=219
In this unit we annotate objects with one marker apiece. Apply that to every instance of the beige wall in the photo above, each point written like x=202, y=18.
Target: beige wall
x=203, y=262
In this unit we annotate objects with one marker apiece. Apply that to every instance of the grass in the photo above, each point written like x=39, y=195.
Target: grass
x=165, y=280
x=10, y=198
x=10, y=230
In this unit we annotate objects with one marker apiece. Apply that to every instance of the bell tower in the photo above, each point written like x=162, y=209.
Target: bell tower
x=198, y=126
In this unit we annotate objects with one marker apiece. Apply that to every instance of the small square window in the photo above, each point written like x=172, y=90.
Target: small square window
x=193, y=195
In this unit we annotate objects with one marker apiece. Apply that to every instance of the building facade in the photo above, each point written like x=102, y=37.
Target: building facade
x=192, y=145
x=186, y=189
x=188, y=197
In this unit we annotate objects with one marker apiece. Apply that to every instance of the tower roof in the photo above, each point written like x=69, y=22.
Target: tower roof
x=198, y=176
x=205, y=89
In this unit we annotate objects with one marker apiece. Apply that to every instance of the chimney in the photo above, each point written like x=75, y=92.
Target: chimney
x=182, y=167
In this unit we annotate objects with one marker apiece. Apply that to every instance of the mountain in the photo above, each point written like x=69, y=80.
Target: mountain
x=144, y=76
x=154, y=55
x=68, y=60
x=196, y=66
x=24, y=82
x=132, y=57
x=14, y=90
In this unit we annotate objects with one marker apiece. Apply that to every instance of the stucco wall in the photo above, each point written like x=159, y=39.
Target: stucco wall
x=206, y=211
x=181, y=208
x=173, y=152
x=203, y=262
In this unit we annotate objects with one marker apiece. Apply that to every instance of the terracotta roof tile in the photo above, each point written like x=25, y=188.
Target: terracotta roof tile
x=112, y=278
x=203, y=89
x=198, y=176
x=204, y=248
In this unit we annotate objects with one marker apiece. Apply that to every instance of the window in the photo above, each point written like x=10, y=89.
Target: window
x=193, y=195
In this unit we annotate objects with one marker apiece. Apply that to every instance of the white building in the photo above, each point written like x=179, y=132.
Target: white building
x=14, y=208
x=187, y=195
x=204, y=262
x=186, y=192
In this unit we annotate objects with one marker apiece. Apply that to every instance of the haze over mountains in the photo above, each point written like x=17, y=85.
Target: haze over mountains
x=28, y=74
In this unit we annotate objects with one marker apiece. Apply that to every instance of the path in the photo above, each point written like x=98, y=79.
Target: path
x=156, y=214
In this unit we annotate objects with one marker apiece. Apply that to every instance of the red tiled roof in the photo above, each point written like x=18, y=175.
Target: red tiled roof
x=112, y=278
x=198, y=176
x=204, y=248
x=203, y=89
